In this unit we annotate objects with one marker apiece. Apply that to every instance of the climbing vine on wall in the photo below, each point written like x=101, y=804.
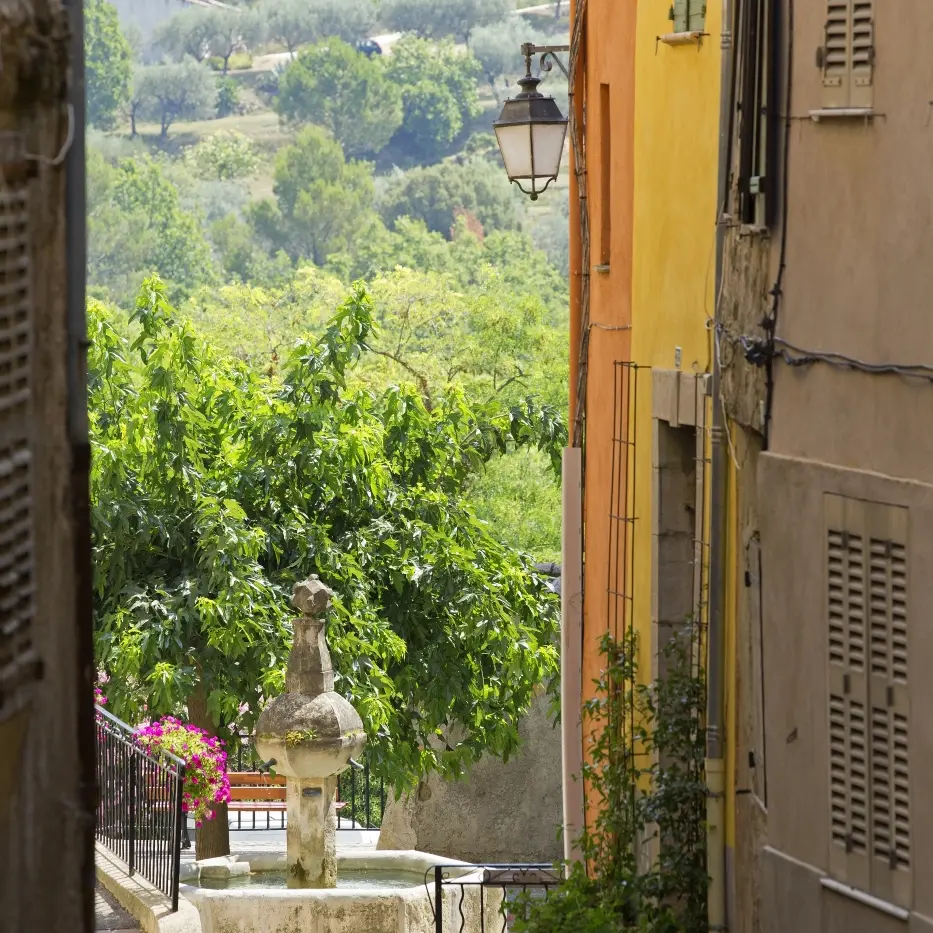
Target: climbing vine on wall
x=645, y=851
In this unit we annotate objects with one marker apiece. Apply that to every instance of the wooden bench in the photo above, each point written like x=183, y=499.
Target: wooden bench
x=255, y=792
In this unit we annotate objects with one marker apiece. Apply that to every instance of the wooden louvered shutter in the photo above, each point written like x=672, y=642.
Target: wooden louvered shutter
x=19, y=663
x=891, y=862
x=848, y=692
x=848, y=54
x=862, y=53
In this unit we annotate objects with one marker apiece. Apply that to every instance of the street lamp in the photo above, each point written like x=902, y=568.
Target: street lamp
x=531, y=129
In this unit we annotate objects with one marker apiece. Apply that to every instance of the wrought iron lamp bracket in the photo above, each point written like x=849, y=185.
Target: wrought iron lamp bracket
x=548, y=57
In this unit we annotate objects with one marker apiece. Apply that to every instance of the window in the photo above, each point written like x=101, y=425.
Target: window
x=688, y=15
x=847, y=56
x=868, y=707
x=605, y=193
x=757, y=111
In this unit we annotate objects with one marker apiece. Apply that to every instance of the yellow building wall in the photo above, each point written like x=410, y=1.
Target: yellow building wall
x=676, y=136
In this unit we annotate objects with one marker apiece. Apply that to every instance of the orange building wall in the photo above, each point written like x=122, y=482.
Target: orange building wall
x=609, y=60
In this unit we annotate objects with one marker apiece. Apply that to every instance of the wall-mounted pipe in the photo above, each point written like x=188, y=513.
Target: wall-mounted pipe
x=571, y=651
x=715, y=742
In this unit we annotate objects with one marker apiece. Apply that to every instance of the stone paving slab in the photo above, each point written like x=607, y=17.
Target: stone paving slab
x=109, y=915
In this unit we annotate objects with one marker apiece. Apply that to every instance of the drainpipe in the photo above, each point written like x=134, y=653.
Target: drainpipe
x=715, y=763
x=571, y=661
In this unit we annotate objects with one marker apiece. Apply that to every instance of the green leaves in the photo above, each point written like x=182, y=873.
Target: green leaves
x=216, y=488
x=108, y=63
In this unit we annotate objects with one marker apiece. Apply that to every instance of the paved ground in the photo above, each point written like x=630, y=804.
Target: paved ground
x=273, y=840
x=109, y=915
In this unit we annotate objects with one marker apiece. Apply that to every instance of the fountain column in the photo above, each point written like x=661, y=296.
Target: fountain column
x=311, y=732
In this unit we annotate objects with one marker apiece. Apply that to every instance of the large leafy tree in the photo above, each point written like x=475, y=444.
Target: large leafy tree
x=322, y=201
x=439, y=96
x=215, y=488
x=335, y=86
x=108, y=63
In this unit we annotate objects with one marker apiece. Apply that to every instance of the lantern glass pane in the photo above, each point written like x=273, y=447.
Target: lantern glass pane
x=548, y=148
x=515, y=146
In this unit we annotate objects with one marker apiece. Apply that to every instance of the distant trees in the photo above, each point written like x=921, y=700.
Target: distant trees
x=295, y=23
x=497, y=48
x=437, y=194
x=181, y=90
x=231, y=31
x=333, y=85
x=223, y=157
x=186, y=34
x=200, y=33
x=136, y=224
x=438, y=84
x=108, y=63
x=436, y=19
x=322, y=201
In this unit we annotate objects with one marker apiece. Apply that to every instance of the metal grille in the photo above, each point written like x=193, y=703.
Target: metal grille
x=848, y=774
x=846, y=568
x=622, y=498
x=19, y=660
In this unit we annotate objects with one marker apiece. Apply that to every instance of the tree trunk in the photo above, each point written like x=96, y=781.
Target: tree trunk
x=133, y=123
x=212, y=838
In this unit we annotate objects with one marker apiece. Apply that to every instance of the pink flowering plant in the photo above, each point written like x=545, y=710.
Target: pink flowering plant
x=206, y=781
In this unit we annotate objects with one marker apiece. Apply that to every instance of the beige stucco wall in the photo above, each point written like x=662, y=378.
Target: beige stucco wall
x=501, y=813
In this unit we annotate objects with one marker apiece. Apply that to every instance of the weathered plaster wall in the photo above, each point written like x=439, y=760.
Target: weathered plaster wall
x=501, y=812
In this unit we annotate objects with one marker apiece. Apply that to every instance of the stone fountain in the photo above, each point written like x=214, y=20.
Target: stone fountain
x=310, y=735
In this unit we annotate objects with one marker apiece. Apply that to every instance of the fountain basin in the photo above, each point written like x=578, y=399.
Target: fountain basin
x=387, y=895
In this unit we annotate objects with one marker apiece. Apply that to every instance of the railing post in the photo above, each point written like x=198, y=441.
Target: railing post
x=181, y=820
x=438, y=899
x=367, y=824
x=132, y=801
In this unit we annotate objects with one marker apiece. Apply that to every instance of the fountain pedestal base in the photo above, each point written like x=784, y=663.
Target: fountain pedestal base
x=312, y=833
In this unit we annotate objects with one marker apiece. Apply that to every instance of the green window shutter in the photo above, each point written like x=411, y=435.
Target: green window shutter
x=680, y=14
x=696, y=19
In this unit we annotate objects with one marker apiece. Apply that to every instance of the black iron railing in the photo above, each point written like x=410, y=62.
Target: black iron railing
x=139, y=815
x=363, y=796
x=486, y=897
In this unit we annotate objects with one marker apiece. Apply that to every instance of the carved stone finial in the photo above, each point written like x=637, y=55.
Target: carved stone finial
x=311, y=598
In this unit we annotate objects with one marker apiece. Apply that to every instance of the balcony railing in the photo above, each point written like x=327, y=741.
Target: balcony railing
x=139, y=815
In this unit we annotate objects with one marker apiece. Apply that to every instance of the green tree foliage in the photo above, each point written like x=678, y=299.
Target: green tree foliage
x=216, y=488
x=518, y=497
x=436, y=19
x=136, y=224
x=438, y=84
x=186, y=34
x=438, y=194
x=108, y=63
x=223, y=156
x=322, y=201
x=294, y=23
x=333, y=85
x=183, y=90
